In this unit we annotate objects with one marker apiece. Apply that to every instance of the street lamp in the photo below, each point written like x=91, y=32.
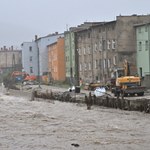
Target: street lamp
x=77, y=66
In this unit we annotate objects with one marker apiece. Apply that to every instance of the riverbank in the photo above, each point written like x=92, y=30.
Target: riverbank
x=48, y=93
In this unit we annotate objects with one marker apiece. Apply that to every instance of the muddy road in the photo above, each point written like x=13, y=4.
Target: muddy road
x=36, y=125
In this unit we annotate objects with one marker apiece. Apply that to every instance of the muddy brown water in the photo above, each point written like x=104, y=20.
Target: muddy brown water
x=36, y=125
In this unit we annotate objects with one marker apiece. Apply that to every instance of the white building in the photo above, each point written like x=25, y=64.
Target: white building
x=35, y=54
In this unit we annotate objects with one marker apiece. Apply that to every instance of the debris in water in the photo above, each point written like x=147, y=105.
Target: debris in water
x=75, y=145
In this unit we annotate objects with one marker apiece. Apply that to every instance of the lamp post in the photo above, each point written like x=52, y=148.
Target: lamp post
x=77, y=65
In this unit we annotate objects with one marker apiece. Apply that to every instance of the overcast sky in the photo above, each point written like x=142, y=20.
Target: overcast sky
x=21, y=20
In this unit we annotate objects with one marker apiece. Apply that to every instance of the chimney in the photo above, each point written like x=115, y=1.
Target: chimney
x=36, y=37
x=12, y=48
x=4, y=48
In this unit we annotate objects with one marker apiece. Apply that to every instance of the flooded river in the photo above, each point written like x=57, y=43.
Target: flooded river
x=35, y=125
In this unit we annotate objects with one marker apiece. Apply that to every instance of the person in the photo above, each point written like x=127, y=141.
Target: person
x=89, y=101
x=6, y=84
x=81, y=82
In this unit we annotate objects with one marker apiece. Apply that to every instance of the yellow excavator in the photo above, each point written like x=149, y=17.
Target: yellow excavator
x=125, y=84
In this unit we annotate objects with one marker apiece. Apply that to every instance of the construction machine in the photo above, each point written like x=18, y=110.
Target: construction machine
x=20, y=76
x=126, y=84
x=47, y=78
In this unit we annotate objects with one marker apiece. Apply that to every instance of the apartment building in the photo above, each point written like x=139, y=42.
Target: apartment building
x=30, y=58
x=72, y=52
x=70, y=55
x=143, y=52
x=104, y=47
x=56, y=60
x=10, y=59
x=143, y=48
x=35, y=54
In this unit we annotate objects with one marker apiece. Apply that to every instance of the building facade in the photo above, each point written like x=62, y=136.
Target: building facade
x=10, y=60
x=30, y=58
x=104, y=47
x=72, y=52
x=70, y=58
x=56, y=60
x=143, y=48
x=35, y=54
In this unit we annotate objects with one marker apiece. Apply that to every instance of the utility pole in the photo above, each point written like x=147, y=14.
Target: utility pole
x=70, y=50
x=148, y=26
x=76, y=60
x=39, y=81
x=92, y=52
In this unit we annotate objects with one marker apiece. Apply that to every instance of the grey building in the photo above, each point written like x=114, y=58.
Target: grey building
x=72, y=51
x=103, y=47
x=10, y=60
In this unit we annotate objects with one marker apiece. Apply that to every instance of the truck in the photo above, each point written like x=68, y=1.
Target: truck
x=126, y=84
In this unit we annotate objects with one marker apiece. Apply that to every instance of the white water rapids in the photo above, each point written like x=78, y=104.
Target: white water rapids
x=34, y=125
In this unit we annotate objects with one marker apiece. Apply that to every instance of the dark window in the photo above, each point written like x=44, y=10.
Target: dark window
x=30, y=48
x=88, y=35
x=30, y=58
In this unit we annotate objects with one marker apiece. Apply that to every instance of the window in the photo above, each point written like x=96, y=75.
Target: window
x=30, y=48
x=89, y=51
x=84, y=51
x=89, y=65
x=100, y=46
x=114, y=60
x=79, y=51
x=96, y=64
x=113, y=44
x=105, y=63
x=30, y=58
x=99, y=30
x=140, y=46
x=108, y=44
x=85, y=66
x=103, y=44
x=95, y=47
x=146, y=28
x=80, y=67
x=146, y=45
x=108, y=63
x=100, y=63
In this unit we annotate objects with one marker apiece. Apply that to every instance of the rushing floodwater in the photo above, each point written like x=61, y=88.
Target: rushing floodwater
x=33, y=125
